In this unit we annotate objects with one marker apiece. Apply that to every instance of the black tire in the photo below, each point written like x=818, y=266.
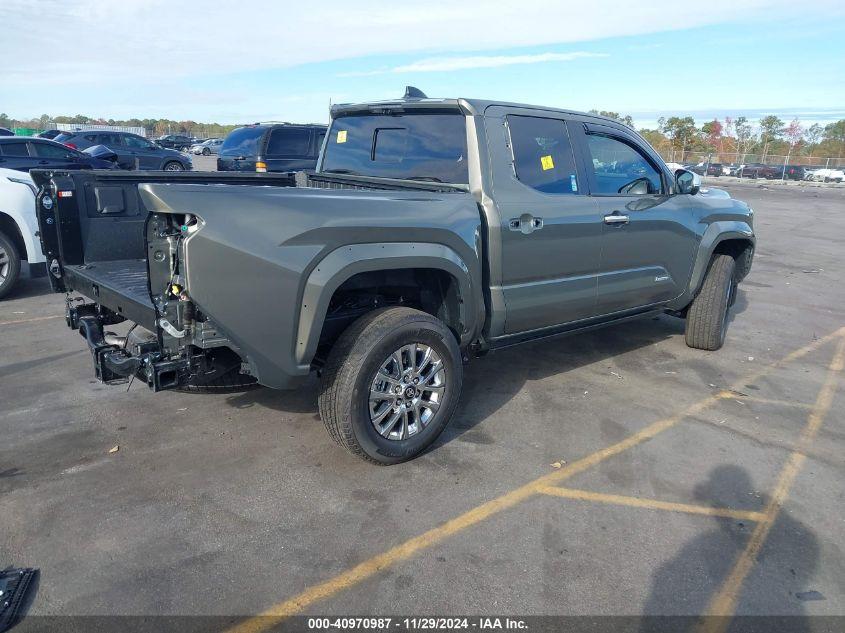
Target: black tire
x=206, y=151
x=12, y=264
x=173, y=165
x=352, y=365
x=707, y=317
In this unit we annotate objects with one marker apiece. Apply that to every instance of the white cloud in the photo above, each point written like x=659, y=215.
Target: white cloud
x=447, y=64
x=96, y=42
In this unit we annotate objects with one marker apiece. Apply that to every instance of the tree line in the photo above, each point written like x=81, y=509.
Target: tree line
x=770, y=136
x=154, y=127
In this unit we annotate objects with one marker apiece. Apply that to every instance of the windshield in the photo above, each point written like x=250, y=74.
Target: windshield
x=409, y=146
x=242, y=142
x=64, y=136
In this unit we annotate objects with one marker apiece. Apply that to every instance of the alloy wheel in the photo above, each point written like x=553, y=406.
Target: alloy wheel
x=407, y=391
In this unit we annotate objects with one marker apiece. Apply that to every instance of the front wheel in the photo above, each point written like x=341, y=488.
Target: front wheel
x=707, y=317
x=206, y=151
x=390, y=385
x=174, y=166
x=10, y=265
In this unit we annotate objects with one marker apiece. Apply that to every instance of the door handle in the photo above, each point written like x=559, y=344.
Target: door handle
x=525, y=224
x=616, y=218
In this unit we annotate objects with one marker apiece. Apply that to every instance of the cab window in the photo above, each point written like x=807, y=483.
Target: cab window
x=542, y=154
x=620, y=169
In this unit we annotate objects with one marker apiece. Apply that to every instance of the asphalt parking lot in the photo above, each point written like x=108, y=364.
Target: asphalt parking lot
x=614, y=473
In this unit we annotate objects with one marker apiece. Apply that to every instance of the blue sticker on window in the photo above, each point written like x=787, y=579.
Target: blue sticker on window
x=572, y=182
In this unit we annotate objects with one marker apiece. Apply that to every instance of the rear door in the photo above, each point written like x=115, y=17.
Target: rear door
x=289, y=149
x=52, y=156
x=648, y=238
x=15, y=155
x=550, y=231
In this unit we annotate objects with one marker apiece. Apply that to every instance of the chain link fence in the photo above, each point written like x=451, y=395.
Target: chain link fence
x=767, y=166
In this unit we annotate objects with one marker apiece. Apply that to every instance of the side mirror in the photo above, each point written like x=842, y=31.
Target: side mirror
x=687, y=182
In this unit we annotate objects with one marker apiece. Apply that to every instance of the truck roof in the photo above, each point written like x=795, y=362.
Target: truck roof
x=470, y=106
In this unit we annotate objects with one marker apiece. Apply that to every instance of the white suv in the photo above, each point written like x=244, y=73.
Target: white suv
x=18, y=227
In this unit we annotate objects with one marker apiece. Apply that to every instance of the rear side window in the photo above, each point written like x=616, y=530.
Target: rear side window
x=289, y=141
x=63, y=137
x=621, y=169
x=15, y=149
x=48, y=150
x=412, y=146
x=136, y=142
x=542, y=154
x=107, y=139
x=243, y=142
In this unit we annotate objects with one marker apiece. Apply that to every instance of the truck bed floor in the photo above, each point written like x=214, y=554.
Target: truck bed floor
x=120, y=285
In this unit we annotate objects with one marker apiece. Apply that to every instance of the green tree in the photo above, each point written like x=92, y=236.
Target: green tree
x=681, y=131
x=744, y=135
x=813, y=134
x=836, y=132
x=771, y=127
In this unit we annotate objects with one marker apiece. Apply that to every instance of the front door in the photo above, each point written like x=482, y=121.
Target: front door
x=648, y=237
x=550, y=231
x=147, y=154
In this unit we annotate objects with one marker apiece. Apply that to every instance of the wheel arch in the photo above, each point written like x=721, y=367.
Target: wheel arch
x=9, y=227
x=735, y=238
x=345, y=265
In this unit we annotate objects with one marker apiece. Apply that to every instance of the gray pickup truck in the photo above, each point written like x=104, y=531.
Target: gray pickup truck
x=432, y=231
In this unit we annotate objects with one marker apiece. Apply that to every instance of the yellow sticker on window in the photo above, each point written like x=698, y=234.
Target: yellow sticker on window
x=547, y=162
x=341, y=136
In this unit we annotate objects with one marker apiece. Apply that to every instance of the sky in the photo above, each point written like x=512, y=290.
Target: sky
x=238, y=62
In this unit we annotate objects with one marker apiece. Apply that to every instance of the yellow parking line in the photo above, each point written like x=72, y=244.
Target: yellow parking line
x=724, y=602
x=727, y=395
x=33, y=320
x=278, y=612
x=652, y=504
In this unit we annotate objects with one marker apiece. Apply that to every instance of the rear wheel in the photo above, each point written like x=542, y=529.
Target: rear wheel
x=391, y=384
x=10, y=265
x=707, y=317
x=174, y=166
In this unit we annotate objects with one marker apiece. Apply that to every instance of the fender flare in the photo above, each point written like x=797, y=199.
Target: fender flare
x=715, y=234
x=342, y=263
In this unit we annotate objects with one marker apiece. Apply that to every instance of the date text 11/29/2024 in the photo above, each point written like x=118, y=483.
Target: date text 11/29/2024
x=416, y=624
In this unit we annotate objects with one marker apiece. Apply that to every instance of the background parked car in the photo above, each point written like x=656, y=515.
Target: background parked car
x=827, y=175
x=279, y=147
x=18, y=228
x=28, y=152
x=794, y=172
x=131, y=149
x=6, y=132
x=705, y=169
x=51, y=134
x=175, y=141
x=211, y=146
x=759, y=170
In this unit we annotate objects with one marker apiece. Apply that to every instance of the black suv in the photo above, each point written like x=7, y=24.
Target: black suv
x=24, y=153
x=131, y=149
x=276, y=147
x=175, y=141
